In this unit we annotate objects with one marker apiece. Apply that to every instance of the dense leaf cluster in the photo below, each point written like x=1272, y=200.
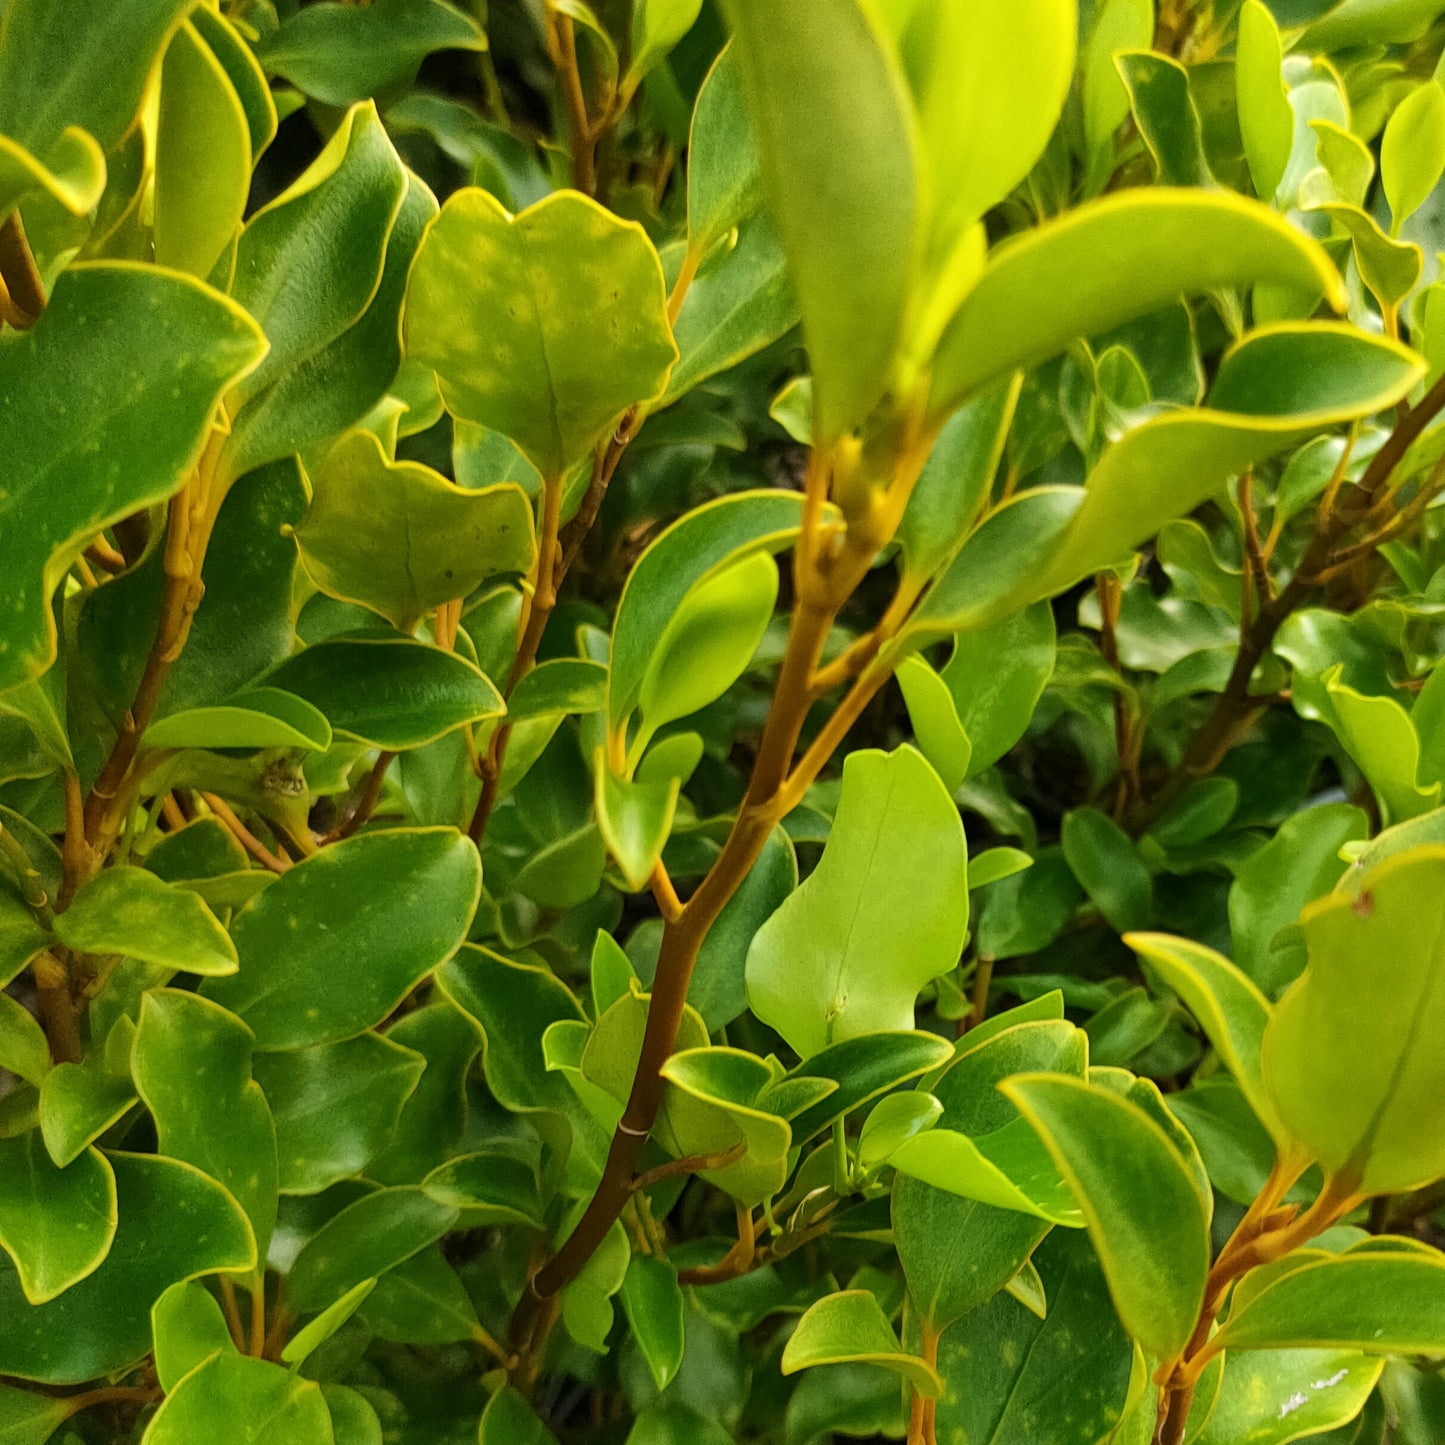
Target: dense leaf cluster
x=722, y=720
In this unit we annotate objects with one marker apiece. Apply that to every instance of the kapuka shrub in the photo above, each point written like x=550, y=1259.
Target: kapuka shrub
x=722, y=722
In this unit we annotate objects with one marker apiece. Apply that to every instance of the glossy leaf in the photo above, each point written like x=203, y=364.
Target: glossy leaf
x=709, y=641
x=339, y=53
x=723, y=180
x=1268, y=1397
x=189, y=1328
x=175, y=1224
x=262, y=717
x=636, y=820
x=338, y=221
x=828, y=965
x=653, y=1305
x=1147, y=1217
x=1347, y=1062
x=1377, y=1303
x=1108, y=868
x=697, y=547
x=389, y=691
x=131, y=911
x=1005, y=1368
x=831, y=116
x=203, y=157
x=253, y=1401
x=508, y=313
x=192, y=1067
x=328, y=950
x=851, y=1328
x=365, y=1239
x=398, y=538
x=132, y=325
x=1266, y=122
x=55, y=1224
x=1231, y=1010
x=335, y=1106
x=1412, y=152
x=1125, y=255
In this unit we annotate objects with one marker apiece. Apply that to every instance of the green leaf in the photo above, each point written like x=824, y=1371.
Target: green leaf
x=56, y=1224
x=1108, y=868
x=354, y=1420
x=1125, y=255
x=850, y=1328
x=508, y=1420
x=1146, y=1214
x=723, y=181
x=830, y=963
x=1378, y=734
x=192, y=1066
x=958, y=1251
x=1266, y=120
x=364, y=1240
x=636, y=821
x=894, y=1120
x=1377, y=1303
x=652, y=1302
x=1412, y=152
x=996, y=676
x=1230, y=1008
x=333, y=945
x=732, y=1088
x=999, y=77
x=708, y=642
x=523, y=340
x=704, y=542
x=343, y=53
x=490, y=1187
x=1271, y=1397
x=28, y=1418
x=434, y=1116
x=338, y=221
x=936, y=727
x=23, y=1046
x=513, y=1004
x=68, y=93
x=318, y=1331
x=1118, y=25
x=954, y=484
x=21, y=937
x=1391, y=269
x=1348, y=1060
x=1164, y=112
x=657, y=25
x=79, y=1102
x=188, y=1328
x=1299, y=864
x=562, y=685
x=741, y=302
x=400, y=539
x=247, y=78
x=175, y=1224
x=202, y=157
x=131, y=911
x=389, y=691
x=862, y=1068
x=250, y=1402
x=1007, y=1370
x=339, y=362
x=159, y=350
x=335, y=1106
x=261, y=717
x=421, y=1301
x=835, y=137
x=1278, y=386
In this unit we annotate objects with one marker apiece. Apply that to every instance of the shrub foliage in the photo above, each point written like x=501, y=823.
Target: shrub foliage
x=722, y=721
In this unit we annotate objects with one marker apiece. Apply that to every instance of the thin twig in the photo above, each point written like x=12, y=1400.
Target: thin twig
x=244, y=836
